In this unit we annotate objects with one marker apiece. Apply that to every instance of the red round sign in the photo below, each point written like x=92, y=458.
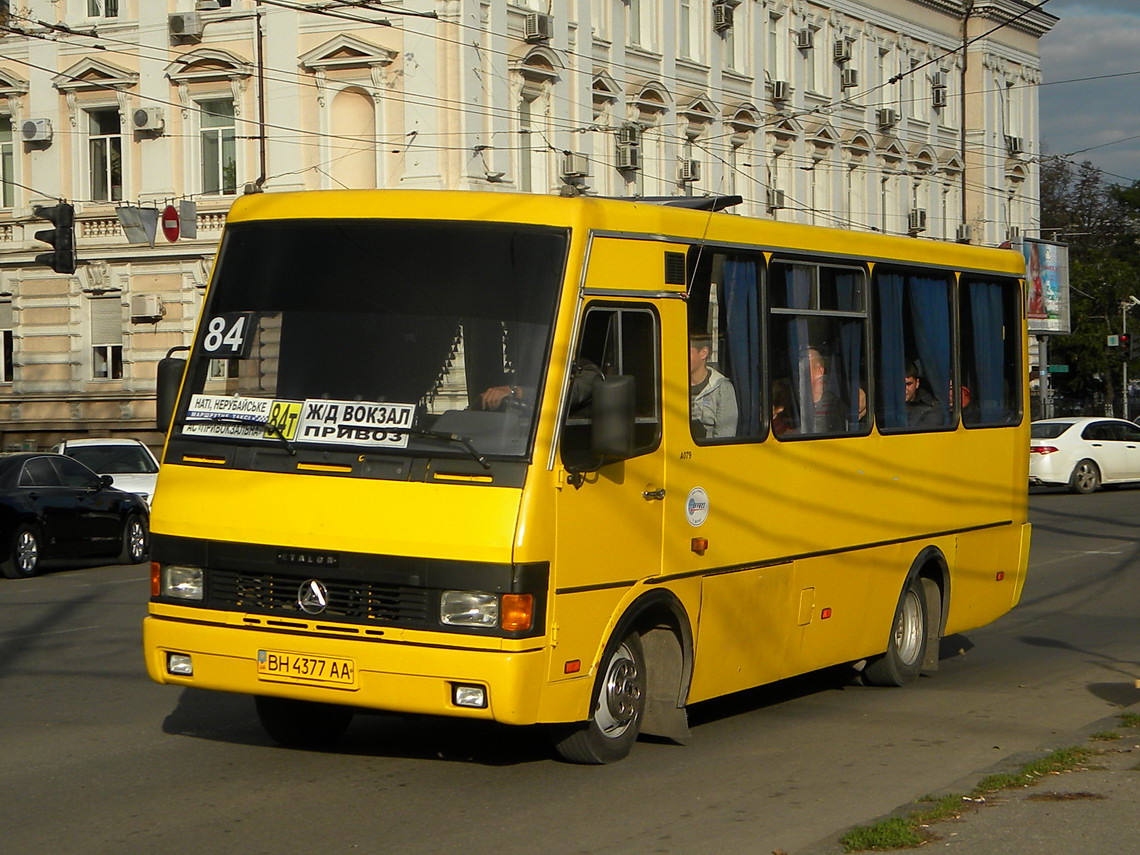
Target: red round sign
x=170, y=223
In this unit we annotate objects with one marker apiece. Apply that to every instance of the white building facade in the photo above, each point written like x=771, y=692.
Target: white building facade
x=902, y=116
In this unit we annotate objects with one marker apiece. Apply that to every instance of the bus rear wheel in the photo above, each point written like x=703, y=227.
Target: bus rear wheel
x=302, y=724
x=617, y=709
x=906, y=647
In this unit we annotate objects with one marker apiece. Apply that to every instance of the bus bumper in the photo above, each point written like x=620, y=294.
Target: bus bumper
x=395, y=676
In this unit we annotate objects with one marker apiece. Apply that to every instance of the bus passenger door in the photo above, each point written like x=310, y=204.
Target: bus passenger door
x=610, y=515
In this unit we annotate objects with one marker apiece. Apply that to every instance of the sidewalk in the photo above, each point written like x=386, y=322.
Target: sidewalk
x=1092, y=810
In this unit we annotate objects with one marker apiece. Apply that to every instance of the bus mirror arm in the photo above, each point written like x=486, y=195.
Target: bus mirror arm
x=169, y=380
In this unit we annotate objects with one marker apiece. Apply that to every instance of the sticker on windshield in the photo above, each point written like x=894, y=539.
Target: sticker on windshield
x=227, y=335
x=315, y=420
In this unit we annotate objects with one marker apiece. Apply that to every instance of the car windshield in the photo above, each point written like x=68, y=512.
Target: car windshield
x=113, y=459
x=1048, y=430
x=376, y=335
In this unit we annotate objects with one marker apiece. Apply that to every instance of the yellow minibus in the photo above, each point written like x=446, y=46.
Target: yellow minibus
x=578, y=462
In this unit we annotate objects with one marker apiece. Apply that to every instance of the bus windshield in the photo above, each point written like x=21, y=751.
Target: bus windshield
x=425, y=338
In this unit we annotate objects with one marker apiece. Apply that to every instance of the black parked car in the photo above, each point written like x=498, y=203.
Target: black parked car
x=53, y=507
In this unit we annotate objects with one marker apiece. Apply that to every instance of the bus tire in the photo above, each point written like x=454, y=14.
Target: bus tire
x=906, y=648
x=24, y=555
x=617, y=709
x=302, y=724
x=1085, y=478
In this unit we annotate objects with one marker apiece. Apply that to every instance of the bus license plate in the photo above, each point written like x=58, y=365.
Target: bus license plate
x=304, y=668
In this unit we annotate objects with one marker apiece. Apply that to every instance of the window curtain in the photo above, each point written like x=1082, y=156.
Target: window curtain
x=987, y=317
x=930, y=319
x=892, y=352
x=798, y=284
x=742, y=312
x=850, y=344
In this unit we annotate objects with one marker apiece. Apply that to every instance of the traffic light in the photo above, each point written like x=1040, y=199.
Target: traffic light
x=62, y=258
x=1125, y=342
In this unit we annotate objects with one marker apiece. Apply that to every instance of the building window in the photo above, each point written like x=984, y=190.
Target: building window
x=106, y=8
x=641, y=24
x=219, y=149
x=7, y=163
x=105, y=151
x=106, y=339
x=6, y=334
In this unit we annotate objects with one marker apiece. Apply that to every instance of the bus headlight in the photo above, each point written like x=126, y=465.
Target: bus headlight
x=469, y=608
x=183, y=583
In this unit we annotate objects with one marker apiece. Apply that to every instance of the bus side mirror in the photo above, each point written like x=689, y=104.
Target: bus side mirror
x=611, y=435
x=170, y=371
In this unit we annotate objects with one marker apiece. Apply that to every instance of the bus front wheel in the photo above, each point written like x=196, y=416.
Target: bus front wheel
x=617, y=708
x=906, y=647
x=302, y=724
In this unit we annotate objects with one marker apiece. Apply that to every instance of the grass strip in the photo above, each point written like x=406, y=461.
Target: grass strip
x=911, y=830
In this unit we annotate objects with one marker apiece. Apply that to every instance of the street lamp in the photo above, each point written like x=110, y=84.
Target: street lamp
x=1125, y=305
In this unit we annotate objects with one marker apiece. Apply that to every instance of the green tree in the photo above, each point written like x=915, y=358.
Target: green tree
x=1099, y=222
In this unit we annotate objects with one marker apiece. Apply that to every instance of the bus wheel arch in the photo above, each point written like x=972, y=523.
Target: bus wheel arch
x=641, y=684
x=916, y=625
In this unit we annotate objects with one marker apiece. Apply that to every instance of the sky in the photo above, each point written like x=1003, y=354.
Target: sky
x=1093, y=119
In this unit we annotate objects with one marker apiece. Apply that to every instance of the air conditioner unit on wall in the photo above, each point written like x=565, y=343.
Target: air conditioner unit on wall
x=722, y=16
x=575, y=165
x=775, y=199
x=36, y=130
x=628, y=157
x=538, y=27
x=1014, y=145
x=841, y=51
x=887, y=117
x=916, y=221
x=1013, y=233
x=146, y=307
x=185, y=26
x=939, y=97
x=938, y=80
x=964, y=233
x=148, y=119
x=689, y=170
x=805, y=38
x=781, y=90
x=629, y=134
x=849, y=78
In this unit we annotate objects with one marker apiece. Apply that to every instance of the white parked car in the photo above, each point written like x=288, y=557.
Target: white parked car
x=1084, y=452
x=129, y=462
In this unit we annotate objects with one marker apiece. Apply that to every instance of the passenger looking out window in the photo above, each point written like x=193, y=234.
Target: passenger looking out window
x=712, y=398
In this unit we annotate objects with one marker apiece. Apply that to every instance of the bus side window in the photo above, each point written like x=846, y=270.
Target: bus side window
x=913, y=357
x=988, y=323
x=613, y=342
x=726, y=350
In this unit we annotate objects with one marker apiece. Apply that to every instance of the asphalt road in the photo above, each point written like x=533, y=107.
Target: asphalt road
x=96, y=759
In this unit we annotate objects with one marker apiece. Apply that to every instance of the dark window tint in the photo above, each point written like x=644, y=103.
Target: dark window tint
x=1048, y=430
x=38, y=472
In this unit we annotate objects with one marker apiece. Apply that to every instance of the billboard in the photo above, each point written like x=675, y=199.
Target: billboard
x=1046, y=286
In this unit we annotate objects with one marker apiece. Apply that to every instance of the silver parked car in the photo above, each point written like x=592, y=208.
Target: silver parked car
x=1084, y=452
x=128, y=461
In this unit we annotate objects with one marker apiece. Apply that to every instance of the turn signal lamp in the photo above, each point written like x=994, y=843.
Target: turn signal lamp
x=517, y=612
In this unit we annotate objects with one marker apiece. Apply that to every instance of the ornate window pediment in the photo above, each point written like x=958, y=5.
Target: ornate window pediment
x=892, y=150
x=208, y=65
x=346, y=52
x=604, y=87
x=12, y=86
x=209, y=68
x=744, y=118
x=858, y=143
x=93, y=75
x=652, y=98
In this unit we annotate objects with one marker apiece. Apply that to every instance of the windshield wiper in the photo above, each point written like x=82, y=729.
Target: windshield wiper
x=270, y=427
x=447, y=437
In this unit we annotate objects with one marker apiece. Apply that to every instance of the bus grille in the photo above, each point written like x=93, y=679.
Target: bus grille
x=358, y=602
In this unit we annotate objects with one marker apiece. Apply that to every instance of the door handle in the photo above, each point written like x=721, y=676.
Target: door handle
x=650, y=495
